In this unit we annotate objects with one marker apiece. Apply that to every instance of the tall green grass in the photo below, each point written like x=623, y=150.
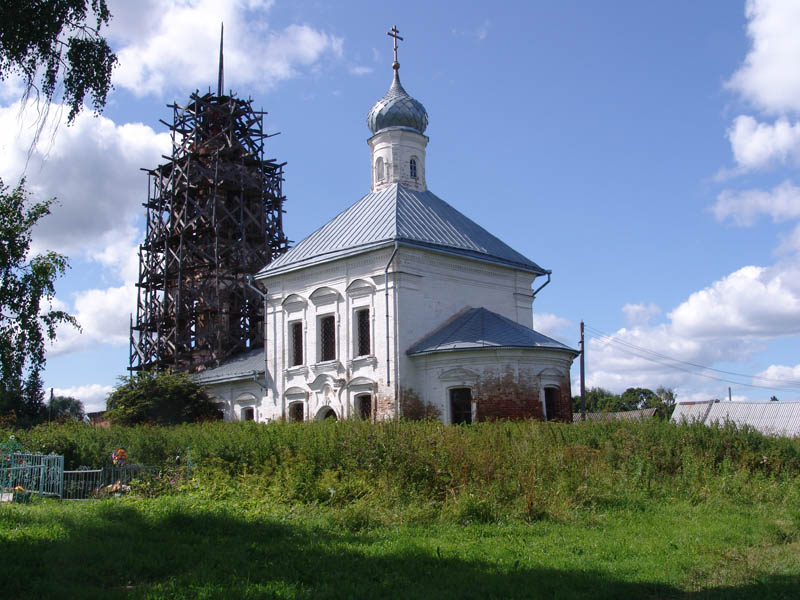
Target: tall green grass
x=481, y=473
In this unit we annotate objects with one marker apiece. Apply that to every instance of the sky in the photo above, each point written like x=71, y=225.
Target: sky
x=646, y=152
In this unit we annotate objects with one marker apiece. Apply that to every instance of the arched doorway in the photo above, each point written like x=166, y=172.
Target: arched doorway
x=364, y=407
x=325, y=413
x=296, y=412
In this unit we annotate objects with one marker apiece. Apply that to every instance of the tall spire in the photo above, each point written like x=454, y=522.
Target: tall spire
x=221, y=81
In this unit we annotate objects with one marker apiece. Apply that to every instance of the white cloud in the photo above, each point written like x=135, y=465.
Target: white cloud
x=175, y=46
x=104, y=317
x=91, y=167
x=782, y=373
x=790, y=243
x=552, y=325
x=753, y=301
x=359, y=70
x=728, y=321
x=640, y=314
x=769, y=77
x=93, y=395
x=744, y=207
x=758, y=145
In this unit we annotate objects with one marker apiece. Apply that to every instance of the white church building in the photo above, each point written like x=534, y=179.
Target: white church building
x=399, y=306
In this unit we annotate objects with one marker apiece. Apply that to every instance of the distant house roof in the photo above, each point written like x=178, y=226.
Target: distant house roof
x=640, y=414
x=399, y=214
x=772, y=418
x=241, y=366
x=479, y=328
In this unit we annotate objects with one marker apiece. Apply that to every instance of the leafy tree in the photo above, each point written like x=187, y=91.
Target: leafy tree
x=160, y=398
x=41, y=39
x=66, y=408
x=635, y=398
x=773, y=398
x=24, y=283
x=597, y=399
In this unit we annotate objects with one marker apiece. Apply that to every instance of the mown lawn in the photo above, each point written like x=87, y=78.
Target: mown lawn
x=189, y=546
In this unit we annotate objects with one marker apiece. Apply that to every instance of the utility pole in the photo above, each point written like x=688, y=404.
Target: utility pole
x=729, y=394
x=583, y=378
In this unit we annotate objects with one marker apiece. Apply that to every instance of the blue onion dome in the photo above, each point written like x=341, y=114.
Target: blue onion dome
x=397, y=109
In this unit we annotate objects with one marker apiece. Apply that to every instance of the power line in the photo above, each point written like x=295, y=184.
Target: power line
x=632, y=348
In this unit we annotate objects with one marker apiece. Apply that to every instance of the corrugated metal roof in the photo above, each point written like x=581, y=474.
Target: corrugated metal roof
x=772, y=418
x=240, y=366
x=690, y=412
x=625, y=415
x=400, y=214
x=478, y=328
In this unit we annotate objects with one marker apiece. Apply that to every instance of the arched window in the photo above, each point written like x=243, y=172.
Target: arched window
x=413, y=168
x=379, y=169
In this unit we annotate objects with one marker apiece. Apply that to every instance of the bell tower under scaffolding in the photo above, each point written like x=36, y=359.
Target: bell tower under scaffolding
x=214, y=217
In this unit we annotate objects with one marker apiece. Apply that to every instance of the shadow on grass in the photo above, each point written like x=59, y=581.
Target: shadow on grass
x=113, y=550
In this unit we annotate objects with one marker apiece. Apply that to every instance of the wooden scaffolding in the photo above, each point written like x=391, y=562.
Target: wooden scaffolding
x=214, y=217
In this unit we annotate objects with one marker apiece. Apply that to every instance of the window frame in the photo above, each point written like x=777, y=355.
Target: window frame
x=412, y=167
x=321, y=338
x=295, y=335
x=362, y=339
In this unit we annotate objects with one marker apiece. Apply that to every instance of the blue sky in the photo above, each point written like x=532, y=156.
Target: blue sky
x=647, y=153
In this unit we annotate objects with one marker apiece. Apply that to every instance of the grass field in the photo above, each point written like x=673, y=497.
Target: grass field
x=421, y=511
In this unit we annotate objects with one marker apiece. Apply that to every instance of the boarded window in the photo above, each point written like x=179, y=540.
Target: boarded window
x=461, y=406
x=550, y=402
x=296, y=412
x=327, y=338
x=295, y=344
x=248, y=414
x=364, y=407
x=362, y=332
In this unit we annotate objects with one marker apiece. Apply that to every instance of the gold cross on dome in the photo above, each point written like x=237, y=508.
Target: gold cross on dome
x=393, y=34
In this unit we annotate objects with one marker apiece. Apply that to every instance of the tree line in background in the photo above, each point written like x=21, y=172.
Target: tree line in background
x=599, y=399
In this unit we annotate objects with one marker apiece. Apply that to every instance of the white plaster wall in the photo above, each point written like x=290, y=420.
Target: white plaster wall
x=396, y=147
x=339, y=289
x=235, y=395
x=438, y=373
x=434, y=287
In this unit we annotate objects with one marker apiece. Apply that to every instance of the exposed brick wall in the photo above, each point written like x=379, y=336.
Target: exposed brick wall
x=415, y=408
x=384, y=407
x=564, y=405
x=507, y=397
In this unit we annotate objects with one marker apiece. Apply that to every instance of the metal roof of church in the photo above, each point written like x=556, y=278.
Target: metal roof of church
x=240, y=366
x=400, y=214
x=479, y=328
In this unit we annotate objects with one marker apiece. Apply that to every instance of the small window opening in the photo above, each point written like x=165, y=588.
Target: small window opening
x=327, y=338
x=295, y=344
x=379, y=169
x=461, y=406
x=296, y=412
x=364, y=407
x=550, y=402
x=362, y=332
x=248, y=414
x=413, y=168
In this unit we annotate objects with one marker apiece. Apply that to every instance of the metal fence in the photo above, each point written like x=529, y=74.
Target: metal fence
x=83, y=484
x=23, y=475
